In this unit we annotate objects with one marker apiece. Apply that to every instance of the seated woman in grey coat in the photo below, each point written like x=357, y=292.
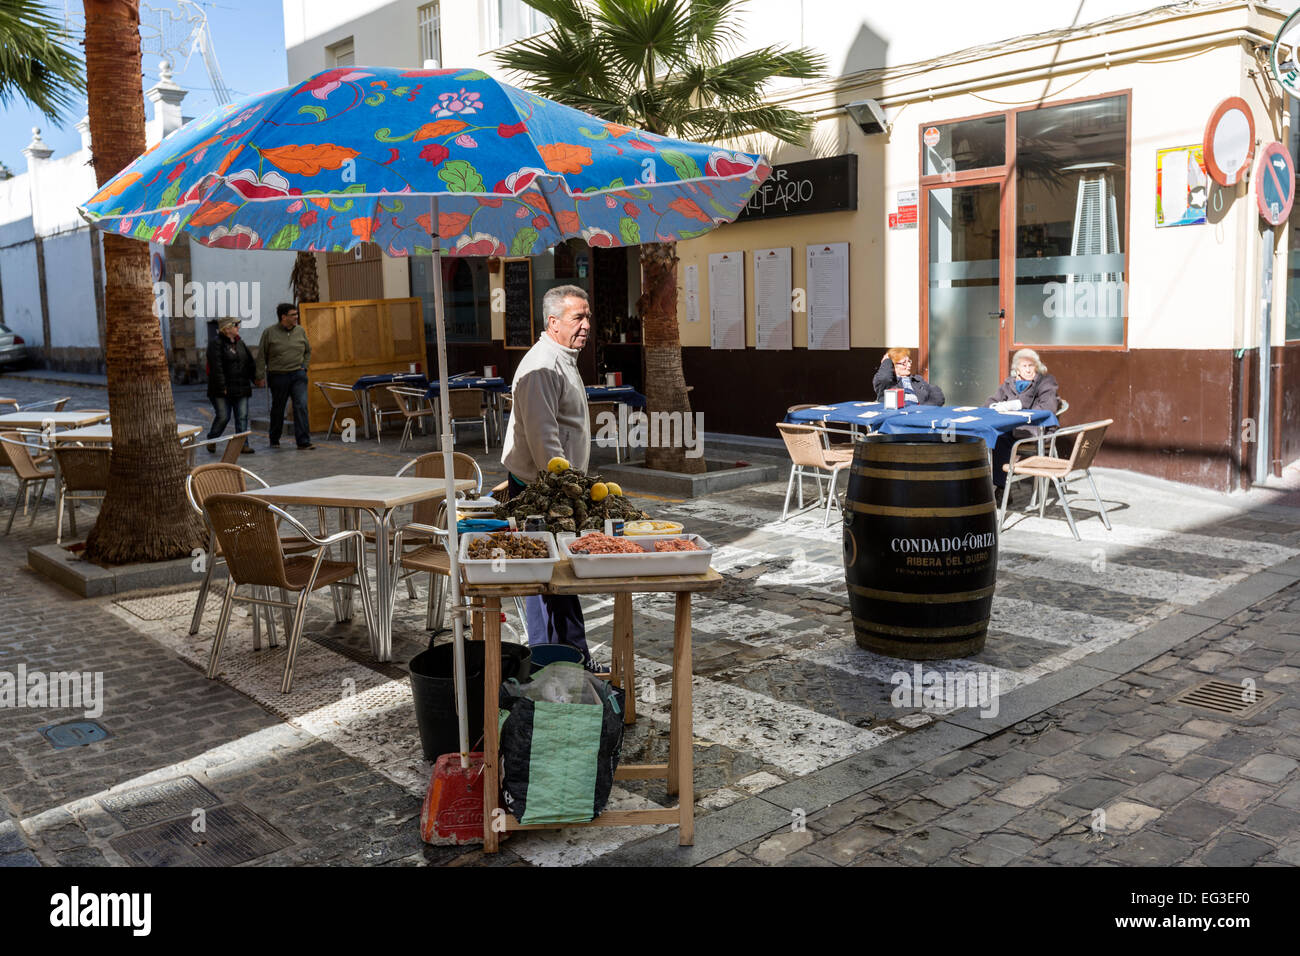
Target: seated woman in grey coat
x=896, y=372
x=1030, y=385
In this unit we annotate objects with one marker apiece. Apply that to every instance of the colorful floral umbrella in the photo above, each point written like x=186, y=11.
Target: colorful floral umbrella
x=447, y=162
x=344, y=158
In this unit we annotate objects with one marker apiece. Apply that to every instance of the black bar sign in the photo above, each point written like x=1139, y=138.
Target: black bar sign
x=811, y=186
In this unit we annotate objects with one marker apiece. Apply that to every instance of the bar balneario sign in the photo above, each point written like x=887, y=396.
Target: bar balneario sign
x=811, y=186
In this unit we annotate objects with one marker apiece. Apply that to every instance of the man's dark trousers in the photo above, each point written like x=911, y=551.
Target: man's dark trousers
x=286, y=385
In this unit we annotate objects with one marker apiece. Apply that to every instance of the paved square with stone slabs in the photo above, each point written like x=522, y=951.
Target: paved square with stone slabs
x=1101, y=768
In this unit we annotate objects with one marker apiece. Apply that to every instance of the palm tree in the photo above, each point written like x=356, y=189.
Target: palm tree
x=664, y=66
x=36, y=64
x=145, y=515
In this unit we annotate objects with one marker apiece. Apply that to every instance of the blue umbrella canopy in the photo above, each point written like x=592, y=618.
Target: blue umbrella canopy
x=354, y=154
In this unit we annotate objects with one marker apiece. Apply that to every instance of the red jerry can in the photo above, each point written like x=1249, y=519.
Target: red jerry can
x=453, y=807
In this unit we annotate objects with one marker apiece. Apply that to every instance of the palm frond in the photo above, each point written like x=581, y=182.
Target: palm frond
x=36, y=62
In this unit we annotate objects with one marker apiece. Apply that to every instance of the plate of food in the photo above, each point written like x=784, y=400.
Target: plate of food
x=636, y=528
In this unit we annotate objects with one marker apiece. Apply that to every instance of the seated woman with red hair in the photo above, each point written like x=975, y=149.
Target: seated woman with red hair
x=896, y=372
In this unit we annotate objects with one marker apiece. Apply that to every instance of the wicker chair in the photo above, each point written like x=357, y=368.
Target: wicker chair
x=466, y=408
x=811, y=458
x=340, y=397
x=594, y=411
x=409, y=401
x=82, y=476
x=428, y=518
x=223, y=478
x=246, y=529
x=234, y=446
x=1087, y=442
x=19, y=454
x=54, y=404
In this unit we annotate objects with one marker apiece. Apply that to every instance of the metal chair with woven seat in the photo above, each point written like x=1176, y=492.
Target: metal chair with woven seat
x=409, y=402
x=54, y=404
x=20, y=456
x=466, y=408
x=224, y=478
x=234, y=446
x=339, y=397
x=82, y=476
x=429, y=513
x=383, y=404
x=811, y=458
x=247, y=530
x=1087, y=442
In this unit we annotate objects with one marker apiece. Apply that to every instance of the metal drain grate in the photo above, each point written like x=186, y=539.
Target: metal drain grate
x=158, y=802
x=1226, y=699
x=74, y=733
x=232, y=835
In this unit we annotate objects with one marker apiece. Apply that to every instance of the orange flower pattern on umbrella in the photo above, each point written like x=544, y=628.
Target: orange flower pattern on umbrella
x=368, y=155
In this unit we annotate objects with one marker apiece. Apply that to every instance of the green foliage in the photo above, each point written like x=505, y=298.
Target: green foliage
x=37, y=62
x=667, y=66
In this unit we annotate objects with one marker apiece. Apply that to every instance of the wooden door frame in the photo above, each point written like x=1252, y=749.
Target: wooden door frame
x=1006, y=260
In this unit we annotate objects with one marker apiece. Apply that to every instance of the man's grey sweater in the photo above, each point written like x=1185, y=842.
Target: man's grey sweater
x=550, y=416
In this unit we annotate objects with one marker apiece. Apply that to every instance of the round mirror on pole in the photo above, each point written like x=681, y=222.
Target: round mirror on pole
x=1229, y=141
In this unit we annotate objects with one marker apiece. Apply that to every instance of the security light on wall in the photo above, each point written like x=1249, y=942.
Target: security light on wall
x=869, y=116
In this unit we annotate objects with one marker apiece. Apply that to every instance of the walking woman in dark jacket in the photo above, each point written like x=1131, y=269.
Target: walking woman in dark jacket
x=230, y=380
x=896, y=372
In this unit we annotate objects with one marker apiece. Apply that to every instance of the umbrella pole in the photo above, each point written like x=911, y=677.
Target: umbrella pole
x=449, y=472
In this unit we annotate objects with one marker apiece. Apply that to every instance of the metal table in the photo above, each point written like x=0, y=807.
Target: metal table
x=103, y=434
x=378, y=496
x=38, y=419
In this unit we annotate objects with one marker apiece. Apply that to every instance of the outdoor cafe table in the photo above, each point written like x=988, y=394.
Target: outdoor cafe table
x=616, y=393
x=492, y=389
x=103, y=434
x=39, y=419
x=679, y=770
x=362, y=386
x=378, y=496
x=982, y=422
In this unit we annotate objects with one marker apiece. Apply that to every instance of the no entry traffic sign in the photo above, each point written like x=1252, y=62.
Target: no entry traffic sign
x=1275, y=184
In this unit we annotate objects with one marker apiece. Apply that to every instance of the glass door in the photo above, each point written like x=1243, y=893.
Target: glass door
x=964, y=310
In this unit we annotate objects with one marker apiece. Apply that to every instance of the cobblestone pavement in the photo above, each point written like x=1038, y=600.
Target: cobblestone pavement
x=801, y=756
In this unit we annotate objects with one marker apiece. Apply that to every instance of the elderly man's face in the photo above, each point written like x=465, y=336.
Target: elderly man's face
x=572, y=326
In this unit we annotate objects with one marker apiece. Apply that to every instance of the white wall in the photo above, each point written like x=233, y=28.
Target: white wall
x=270, y=270
x=59, y=185
x=70, y=290
x=22, y=294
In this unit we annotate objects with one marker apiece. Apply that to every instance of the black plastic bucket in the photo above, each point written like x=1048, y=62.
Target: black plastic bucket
x=433, y=687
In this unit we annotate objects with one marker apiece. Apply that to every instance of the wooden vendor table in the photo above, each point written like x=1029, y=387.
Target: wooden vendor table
x=678, y=772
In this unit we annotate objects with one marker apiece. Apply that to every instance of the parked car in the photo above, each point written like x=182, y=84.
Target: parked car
x=13, y=350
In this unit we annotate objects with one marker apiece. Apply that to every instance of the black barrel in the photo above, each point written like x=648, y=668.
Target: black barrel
x=920, y=545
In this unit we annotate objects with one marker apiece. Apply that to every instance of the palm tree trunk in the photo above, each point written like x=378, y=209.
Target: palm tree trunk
x=303, y=281
x=145, y=515
x=665, y=382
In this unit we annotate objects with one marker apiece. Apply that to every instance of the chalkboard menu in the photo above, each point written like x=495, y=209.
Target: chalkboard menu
x=518, y=281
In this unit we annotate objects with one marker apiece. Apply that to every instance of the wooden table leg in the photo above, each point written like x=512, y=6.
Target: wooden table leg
x=624, y=670
x=681, y=763
x=491, y=690
x=477, y=618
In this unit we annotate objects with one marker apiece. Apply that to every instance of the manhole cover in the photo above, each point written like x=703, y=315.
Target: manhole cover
x=74, y=733
x=159, y=801
x=1226, y=699
x=230, y=835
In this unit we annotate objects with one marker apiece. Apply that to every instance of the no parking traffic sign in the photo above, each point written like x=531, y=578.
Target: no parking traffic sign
x=1275, y=183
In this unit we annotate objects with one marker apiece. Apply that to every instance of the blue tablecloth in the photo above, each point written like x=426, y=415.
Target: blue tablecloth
x=616, y=393
x=868, y=415
x=497, y=384
x=414, y=379
x=963, y=420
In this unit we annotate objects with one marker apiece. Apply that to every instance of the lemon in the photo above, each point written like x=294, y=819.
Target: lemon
x=599, y=490
x=614, y=488
x=557, y=465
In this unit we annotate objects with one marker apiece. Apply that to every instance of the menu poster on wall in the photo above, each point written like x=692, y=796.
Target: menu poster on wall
x=828, y=296
x=773, y=318
x=727, y=299
x=518, y=284
x=692, y=284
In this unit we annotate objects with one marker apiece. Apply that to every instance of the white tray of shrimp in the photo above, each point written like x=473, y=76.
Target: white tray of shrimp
x=645, y=561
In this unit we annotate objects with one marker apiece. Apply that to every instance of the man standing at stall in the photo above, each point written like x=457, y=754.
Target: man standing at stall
x=282, y=359
x=549, y=420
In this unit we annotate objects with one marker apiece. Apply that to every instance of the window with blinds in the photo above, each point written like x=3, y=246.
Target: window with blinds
x=430, y=36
